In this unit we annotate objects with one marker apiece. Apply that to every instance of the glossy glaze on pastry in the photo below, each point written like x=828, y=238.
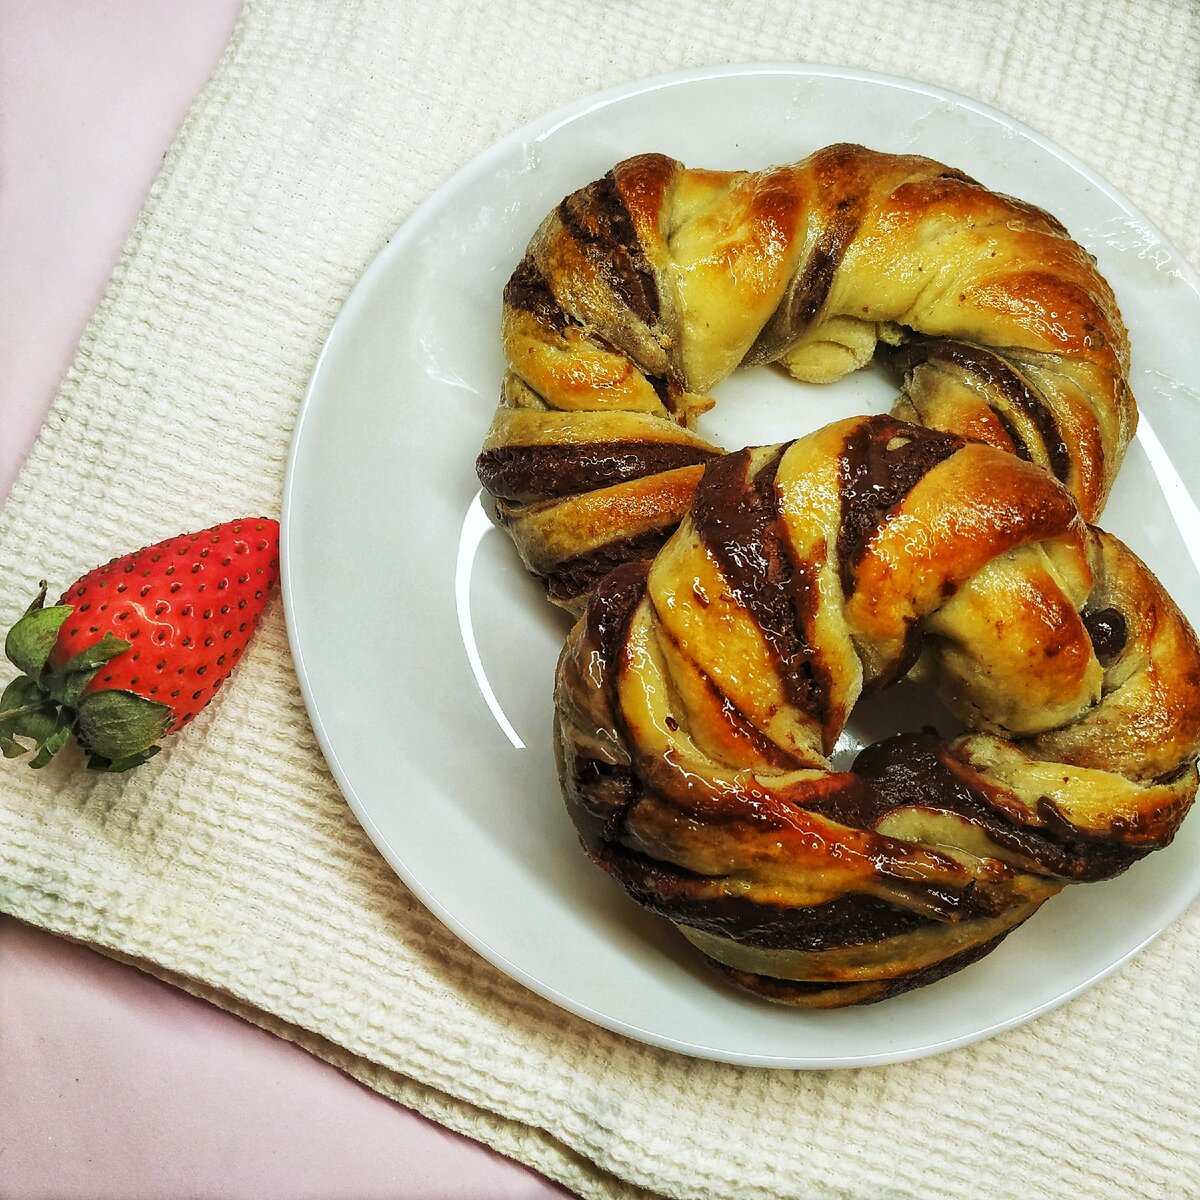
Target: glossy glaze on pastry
x=642, y=290
x=737, y=605
x=699, y=698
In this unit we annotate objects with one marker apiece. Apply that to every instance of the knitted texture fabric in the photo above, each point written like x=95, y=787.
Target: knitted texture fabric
x=231, y=865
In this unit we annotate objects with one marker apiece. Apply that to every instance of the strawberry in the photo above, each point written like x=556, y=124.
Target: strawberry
x=136, y=648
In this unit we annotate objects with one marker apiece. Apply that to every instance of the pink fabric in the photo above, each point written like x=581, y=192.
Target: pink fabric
x=111, y=1083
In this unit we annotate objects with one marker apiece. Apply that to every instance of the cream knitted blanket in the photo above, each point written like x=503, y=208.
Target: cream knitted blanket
x=230, y=864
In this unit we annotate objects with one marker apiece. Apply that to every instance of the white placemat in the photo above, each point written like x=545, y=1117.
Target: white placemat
x=230, y=864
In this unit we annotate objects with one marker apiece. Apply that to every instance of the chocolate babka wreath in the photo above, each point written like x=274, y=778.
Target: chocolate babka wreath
x=736, y=606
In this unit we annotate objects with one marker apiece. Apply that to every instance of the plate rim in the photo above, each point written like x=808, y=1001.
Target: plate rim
x=534, y=131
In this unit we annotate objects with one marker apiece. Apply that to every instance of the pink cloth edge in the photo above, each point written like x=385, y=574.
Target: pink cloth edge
x=115, y=1084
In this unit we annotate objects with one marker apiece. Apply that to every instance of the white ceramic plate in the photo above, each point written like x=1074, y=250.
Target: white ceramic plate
x=426, y=654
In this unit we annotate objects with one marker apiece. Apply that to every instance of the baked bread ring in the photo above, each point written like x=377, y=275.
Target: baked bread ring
x=699, y=698
x=642, y=290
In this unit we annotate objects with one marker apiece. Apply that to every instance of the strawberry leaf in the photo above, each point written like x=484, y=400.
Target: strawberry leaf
x=19, y=697
x=26, y=713
x=31, y=639
x=98, y=762
x=54, y=741
x=119, y=726
x=67, y=684
x=19, y=693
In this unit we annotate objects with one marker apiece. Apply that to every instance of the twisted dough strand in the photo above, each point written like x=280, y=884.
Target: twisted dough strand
x=642, y=290
x=699, y=698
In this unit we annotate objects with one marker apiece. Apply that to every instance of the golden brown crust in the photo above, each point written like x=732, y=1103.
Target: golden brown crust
x=642, y=290
x=698, y=697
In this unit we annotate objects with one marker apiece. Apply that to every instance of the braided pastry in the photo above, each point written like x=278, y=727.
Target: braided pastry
x=699, y=697
x=698, y=700
x=642, y=290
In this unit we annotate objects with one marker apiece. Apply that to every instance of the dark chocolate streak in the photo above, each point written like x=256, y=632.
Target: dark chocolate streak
x=542, y=472
x=529, y=291
x=1019, y=445
x=909, y=769
x=875, y=479
x=612, y=606
x=599, y=798
x=808, y=291
x=598, y=794
x=917, y=769
x=958, y=176
x=666, y=390
x=738, y=522
x=785, y=989
x=807, y=297
x=1108, y=631
x=597, y=218
x=997, y=375
x=578, y=575
x=766, y=749
x=851, y=920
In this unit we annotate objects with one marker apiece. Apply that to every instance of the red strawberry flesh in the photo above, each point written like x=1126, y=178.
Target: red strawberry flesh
x=187, y=607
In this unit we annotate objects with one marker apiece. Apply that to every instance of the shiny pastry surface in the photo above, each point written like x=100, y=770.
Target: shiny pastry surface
x=698, y=699
x=735, y=605
x=642, y=290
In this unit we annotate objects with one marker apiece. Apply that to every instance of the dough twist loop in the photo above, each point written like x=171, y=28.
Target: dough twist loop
x=737, y=606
